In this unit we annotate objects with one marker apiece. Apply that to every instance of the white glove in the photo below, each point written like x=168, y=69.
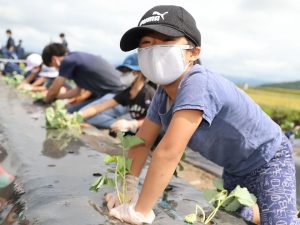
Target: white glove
x=132, y=193
x=125, y=125
x=127, y=213
x=65, y=101
x=25, y=86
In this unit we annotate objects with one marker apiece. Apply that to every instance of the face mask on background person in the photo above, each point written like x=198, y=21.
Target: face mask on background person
x=127, y=78
x=163, y=64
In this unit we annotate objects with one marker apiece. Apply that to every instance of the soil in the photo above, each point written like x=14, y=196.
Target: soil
x=198, y=178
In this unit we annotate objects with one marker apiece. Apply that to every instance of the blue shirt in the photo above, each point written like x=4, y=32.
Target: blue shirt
x=91, y=72
x=235, y=133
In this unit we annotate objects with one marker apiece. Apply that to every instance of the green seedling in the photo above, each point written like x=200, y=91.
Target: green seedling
x=37, y=95
x=287, y=126
x=120, y=167
x=57, y=117
x=13, y=80
x=221, y=198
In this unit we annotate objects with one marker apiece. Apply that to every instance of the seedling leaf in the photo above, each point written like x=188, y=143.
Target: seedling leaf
x=233, y=205
x=57, y=117
x=128, y=164
x=97, y=184
x=219, y=184
x=209, y=194
x=191, y=218
x=108, y=159
x=243, y=196
x=129, y=141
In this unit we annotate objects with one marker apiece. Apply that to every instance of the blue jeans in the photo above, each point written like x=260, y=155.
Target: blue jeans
x=108, y=117
x=274, y=185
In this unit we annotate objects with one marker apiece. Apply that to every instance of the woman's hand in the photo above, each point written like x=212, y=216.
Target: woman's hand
x=127, y=213
x=25, y=86
x=132, y=193
x=125, y=125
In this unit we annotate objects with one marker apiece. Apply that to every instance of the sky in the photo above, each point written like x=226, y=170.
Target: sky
x=258, y=39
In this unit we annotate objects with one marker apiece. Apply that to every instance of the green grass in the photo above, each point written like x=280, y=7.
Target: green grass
x=282, y=105
x=276, y=98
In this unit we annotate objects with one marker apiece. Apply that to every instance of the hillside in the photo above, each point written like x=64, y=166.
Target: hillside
x=289, y=85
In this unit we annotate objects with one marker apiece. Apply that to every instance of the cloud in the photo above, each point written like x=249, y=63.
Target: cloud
x=258, y=38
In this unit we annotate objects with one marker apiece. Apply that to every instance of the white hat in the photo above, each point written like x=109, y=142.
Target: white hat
x=33, y=60
x=50, y=72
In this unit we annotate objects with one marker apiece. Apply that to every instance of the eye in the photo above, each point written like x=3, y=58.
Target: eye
x=167, y=39
x=145, y=41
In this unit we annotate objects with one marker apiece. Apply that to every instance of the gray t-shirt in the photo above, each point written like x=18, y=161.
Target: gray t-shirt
x=235, y=133
x=91, y=72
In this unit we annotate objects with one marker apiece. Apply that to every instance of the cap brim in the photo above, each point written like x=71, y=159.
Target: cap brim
x=27, y=68
x=48, y=74
x=135, y=68
x=130, y=40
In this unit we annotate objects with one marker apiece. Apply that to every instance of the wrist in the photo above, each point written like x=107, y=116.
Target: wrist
x=142, y=212
x=134, y=126
x=132, y=180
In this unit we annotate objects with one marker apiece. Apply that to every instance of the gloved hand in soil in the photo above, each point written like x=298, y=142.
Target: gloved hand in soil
x=132, y=193
x=125, y=125
x=127, y=213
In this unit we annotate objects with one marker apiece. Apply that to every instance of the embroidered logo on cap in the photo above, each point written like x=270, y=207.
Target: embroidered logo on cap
x=155, y=17
x=160, y=14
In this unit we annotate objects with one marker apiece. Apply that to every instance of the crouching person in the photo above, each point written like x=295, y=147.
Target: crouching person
x=90, y=72
x=105, y=112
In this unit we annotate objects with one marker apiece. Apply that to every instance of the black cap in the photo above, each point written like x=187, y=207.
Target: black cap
x=169, y=20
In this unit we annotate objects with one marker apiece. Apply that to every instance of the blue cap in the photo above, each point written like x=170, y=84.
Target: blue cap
x=130, y=62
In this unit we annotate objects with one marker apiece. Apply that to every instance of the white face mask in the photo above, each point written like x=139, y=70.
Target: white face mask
x=162, y=64
x=127, y=78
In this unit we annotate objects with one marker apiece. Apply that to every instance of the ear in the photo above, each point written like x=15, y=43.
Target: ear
x=195, y=53
x=136, y=72
x=53, y=59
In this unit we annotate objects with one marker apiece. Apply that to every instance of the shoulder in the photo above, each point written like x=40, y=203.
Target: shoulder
x=200, y=79
x=72, y=56
x=195, y=79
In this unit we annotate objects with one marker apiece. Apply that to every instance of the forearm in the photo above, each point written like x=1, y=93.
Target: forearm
x=69, y=94
x=51, y=96
x=98, y=108
x=30, y=77
x=140, y=122
x=54, y=89
x=149, y=132
x=166, y=157
x=39, y=88
x=139, y=156
x=84, y=95
x=159, y=174
x=39, y=81
x=88, y=112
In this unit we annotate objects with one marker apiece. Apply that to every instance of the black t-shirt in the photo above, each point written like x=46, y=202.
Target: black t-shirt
x=10, y=42
x=139, y=105
x=91, y=72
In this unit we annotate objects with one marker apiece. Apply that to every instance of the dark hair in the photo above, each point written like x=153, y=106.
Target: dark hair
x=54, y=49
x=62, y=35
x=8, y=31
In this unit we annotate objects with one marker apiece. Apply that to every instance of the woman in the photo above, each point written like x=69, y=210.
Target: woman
x=104, y=112
x=208, y=113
